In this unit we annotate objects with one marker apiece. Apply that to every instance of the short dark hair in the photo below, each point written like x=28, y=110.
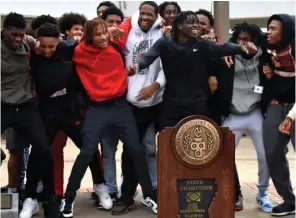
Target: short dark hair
x=49, y=30
x=179, y=19
x=107, y=4
x=151, y=3
x=68, y=20
x=14, y=20
x=42, y=19
x=111, y=11
x=89, y=28
x=208, y=14
x=163, y=5
x=253, y=30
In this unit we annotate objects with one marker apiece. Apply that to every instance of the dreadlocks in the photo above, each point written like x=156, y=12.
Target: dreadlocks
x=90, y=27
x=253, y=30
x=163, y=5
x=179, y=19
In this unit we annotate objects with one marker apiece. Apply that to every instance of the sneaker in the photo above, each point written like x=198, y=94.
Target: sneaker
x=4, y=189
x=239, y=206
x=264, y=202
x=122, y=206
x=151, y=202
x=93, y=195
x=51, y=209
x=113, y=196
x=67, y=208
x=103, y=193
x=59, y=199
x=283, y=210
x=30, y=208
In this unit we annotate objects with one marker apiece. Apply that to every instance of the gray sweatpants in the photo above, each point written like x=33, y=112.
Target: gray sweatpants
x=251, y=124
x=276, y=149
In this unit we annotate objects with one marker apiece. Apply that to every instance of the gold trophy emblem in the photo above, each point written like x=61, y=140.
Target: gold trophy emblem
x=197, y=142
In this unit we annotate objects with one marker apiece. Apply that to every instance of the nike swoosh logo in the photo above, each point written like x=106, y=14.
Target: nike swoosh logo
x=195, y=50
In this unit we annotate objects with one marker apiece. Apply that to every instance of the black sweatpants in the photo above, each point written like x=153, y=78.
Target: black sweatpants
x=172, y=113
x=144, y=117
x=69, y=122
x=117, y=114
x=26, y=120
x=275, y=144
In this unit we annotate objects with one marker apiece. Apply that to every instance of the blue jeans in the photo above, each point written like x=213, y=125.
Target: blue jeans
x=109, y=144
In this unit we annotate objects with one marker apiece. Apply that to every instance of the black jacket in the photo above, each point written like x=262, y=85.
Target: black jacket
x=55, y=78
x=282, y=87
x=226, y=80
x=186, y=68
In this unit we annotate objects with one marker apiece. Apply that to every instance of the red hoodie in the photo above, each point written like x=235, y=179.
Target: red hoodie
x=102, y=72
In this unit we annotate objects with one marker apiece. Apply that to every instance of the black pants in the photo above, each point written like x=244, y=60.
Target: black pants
x=237, y=187
x=26, y=120
x=117, y=114
x=71, y=123
x=144, y=117
x=275, y=144
x=172, y=114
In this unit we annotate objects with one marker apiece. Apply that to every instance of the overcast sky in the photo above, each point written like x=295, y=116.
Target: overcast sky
x=238, y=9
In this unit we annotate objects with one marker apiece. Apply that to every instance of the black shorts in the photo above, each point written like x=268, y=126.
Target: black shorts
x=14, y=141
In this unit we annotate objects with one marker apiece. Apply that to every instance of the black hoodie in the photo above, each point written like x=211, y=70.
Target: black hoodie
x=186, y=67
x=55, y=78
x=282, y=84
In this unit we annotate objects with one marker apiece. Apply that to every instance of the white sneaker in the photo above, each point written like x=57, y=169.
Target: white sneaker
x=30, y=208
x=39, y=187
x=103, y=193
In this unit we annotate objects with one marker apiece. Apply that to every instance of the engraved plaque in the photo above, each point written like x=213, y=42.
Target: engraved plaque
x=195, y=197
x=196, y=170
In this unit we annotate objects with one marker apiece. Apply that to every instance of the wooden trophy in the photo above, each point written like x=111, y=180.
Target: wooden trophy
x=196, y=170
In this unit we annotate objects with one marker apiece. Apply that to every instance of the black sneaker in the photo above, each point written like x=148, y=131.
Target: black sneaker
x=93, y=196
x=283, y=210
x=151, y=202
x=51, y=209
x=67, y=208
x=4, y=189
x=114, y=197
x=59, y=199
x=238, y=205
x=122, y=206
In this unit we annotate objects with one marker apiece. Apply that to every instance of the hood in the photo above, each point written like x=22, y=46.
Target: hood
x=84, y=51
x=288, y=27
x=135, y=24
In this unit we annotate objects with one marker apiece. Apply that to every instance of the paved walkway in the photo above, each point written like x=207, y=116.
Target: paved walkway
x=247, y=168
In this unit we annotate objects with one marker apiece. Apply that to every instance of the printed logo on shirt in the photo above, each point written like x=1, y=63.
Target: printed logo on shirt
x=139, y=51
x=59, y=93
x=5, y=74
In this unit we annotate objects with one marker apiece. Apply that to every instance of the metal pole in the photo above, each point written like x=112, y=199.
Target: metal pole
x=222, y=22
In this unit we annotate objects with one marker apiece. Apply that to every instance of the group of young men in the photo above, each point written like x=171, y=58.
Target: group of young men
x=103, y=80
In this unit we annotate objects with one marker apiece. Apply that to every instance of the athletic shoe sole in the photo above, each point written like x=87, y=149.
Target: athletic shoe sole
x=133, y=206
x=283, y=214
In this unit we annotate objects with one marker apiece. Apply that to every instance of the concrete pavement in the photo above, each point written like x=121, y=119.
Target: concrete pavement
x=247, y=167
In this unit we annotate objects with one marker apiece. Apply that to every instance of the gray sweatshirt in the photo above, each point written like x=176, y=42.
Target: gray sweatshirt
x=246, y=76
x=16, y=83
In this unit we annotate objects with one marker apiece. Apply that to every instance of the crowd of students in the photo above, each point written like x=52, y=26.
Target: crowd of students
x=107, y=79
